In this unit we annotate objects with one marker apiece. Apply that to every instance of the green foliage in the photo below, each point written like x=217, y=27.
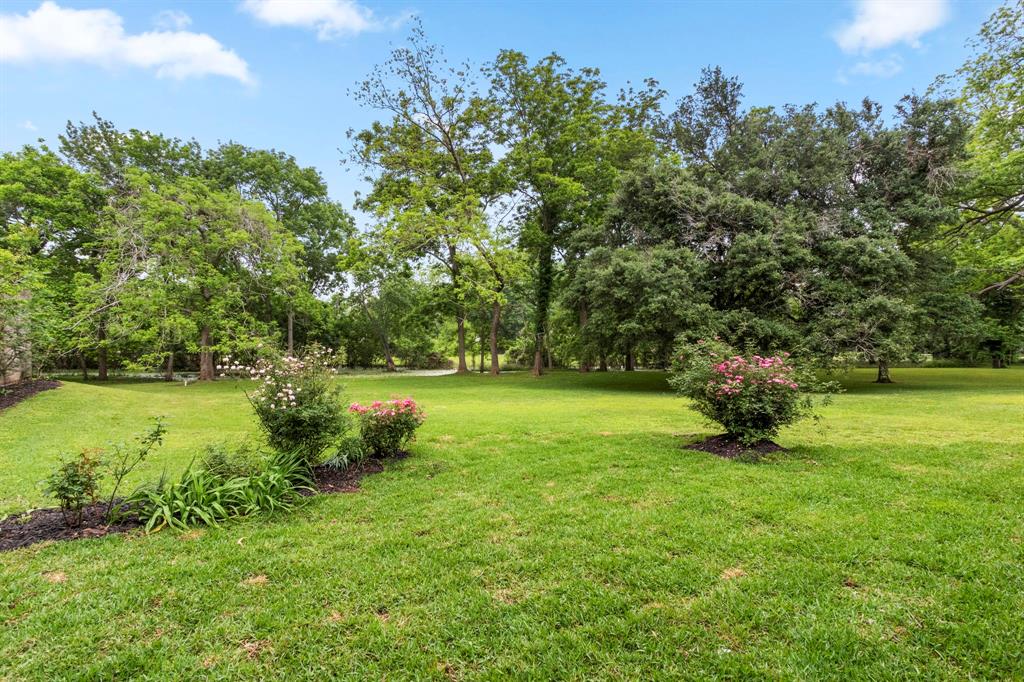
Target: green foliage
x=203, y=497
x=233, y=461
x=75, y=484
x=386, y=427
x=637, y=297
x=298, y=405
x=351, y=450
x=750, y=395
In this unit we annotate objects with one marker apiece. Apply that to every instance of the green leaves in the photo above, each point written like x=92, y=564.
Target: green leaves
x=203, y=497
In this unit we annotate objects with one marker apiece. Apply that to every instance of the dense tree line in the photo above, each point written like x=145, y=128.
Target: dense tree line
x=523, y=208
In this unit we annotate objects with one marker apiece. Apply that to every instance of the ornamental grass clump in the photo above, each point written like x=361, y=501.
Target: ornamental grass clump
x=298, y=404
x=751, y=396
x=387, y=426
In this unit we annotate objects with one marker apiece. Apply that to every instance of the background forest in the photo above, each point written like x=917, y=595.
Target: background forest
x=522, y=214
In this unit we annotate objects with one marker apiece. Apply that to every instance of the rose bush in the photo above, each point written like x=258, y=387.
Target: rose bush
x=387, y=426
x=751, y=396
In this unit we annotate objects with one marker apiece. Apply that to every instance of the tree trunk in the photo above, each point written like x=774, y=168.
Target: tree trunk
x=389, y=360
x=630, y=361
x=169, y=367
x=205, y=355
x=585, y=353
x=883, y=373
x=997, y=361
x=82, y=366
x=495, y=323
x=101, y=352
x=545, y=275
x=602, y=365
x=461, y=350
x=291, y=332
x=481, y=339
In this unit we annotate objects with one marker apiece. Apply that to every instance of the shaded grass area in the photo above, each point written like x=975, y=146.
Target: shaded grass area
x=552, y=528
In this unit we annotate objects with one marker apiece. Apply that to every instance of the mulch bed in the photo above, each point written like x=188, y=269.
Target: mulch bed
x=39, y=525
x=15, y=393
x=730, y=448
x=330, y=480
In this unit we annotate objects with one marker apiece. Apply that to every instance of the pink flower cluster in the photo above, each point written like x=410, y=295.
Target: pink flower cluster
x=388, y=408
x=737, y=372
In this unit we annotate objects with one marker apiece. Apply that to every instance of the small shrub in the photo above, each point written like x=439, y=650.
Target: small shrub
x=386, y=427
x=298, y=405
x=199, y=498
x=750, y=395
x=75, y=484
x=276, y=488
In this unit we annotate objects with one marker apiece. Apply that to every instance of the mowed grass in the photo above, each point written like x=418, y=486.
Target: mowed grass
x=551, y=529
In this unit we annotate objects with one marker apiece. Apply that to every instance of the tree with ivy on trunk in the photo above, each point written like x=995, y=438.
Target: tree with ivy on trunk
x=552, y=121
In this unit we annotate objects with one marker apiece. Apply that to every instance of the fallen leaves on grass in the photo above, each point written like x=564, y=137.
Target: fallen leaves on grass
x=733, y=573
x=448, y=670
x=255, y=647
x=256, y=580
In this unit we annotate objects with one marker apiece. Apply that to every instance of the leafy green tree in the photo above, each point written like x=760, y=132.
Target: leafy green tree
x=297, y=197
x=192, y=251
x=552, y=122
x=50, y=213
x=638, y=297
x=992, y=199
x=391, y=304
x=431, y=165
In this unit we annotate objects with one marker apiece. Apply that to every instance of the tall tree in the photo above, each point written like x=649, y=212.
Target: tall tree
x=50, y=213
x=297, y=197
x=551, y=120
x=187, y=249
x=992, y=199
x=431, y=165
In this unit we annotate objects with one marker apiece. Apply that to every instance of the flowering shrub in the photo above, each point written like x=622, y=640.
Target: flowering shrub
x=386, y=427
x=299, y=407
x=750, y=395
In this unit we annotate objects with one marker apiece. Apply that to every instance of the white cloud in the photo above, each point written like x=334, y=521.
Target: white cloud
x=51, y=33
x=330, y=18
x=882, y=23
x=882, y=68
x=29, y=125
x=172, y=20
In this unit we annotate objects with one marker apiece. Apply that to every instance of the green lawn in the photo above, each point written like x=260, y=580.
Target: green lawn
x=551, y=528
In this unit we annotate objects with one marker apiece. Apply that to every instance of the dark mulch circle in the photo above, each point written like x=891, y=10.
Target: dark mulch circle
x=14, y=394
x=39, y=525
x=730, y=448
x=331, y=480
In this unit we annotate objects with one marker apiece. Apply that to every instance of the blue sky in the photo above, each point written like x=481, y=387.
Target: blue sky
x=275, y=73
